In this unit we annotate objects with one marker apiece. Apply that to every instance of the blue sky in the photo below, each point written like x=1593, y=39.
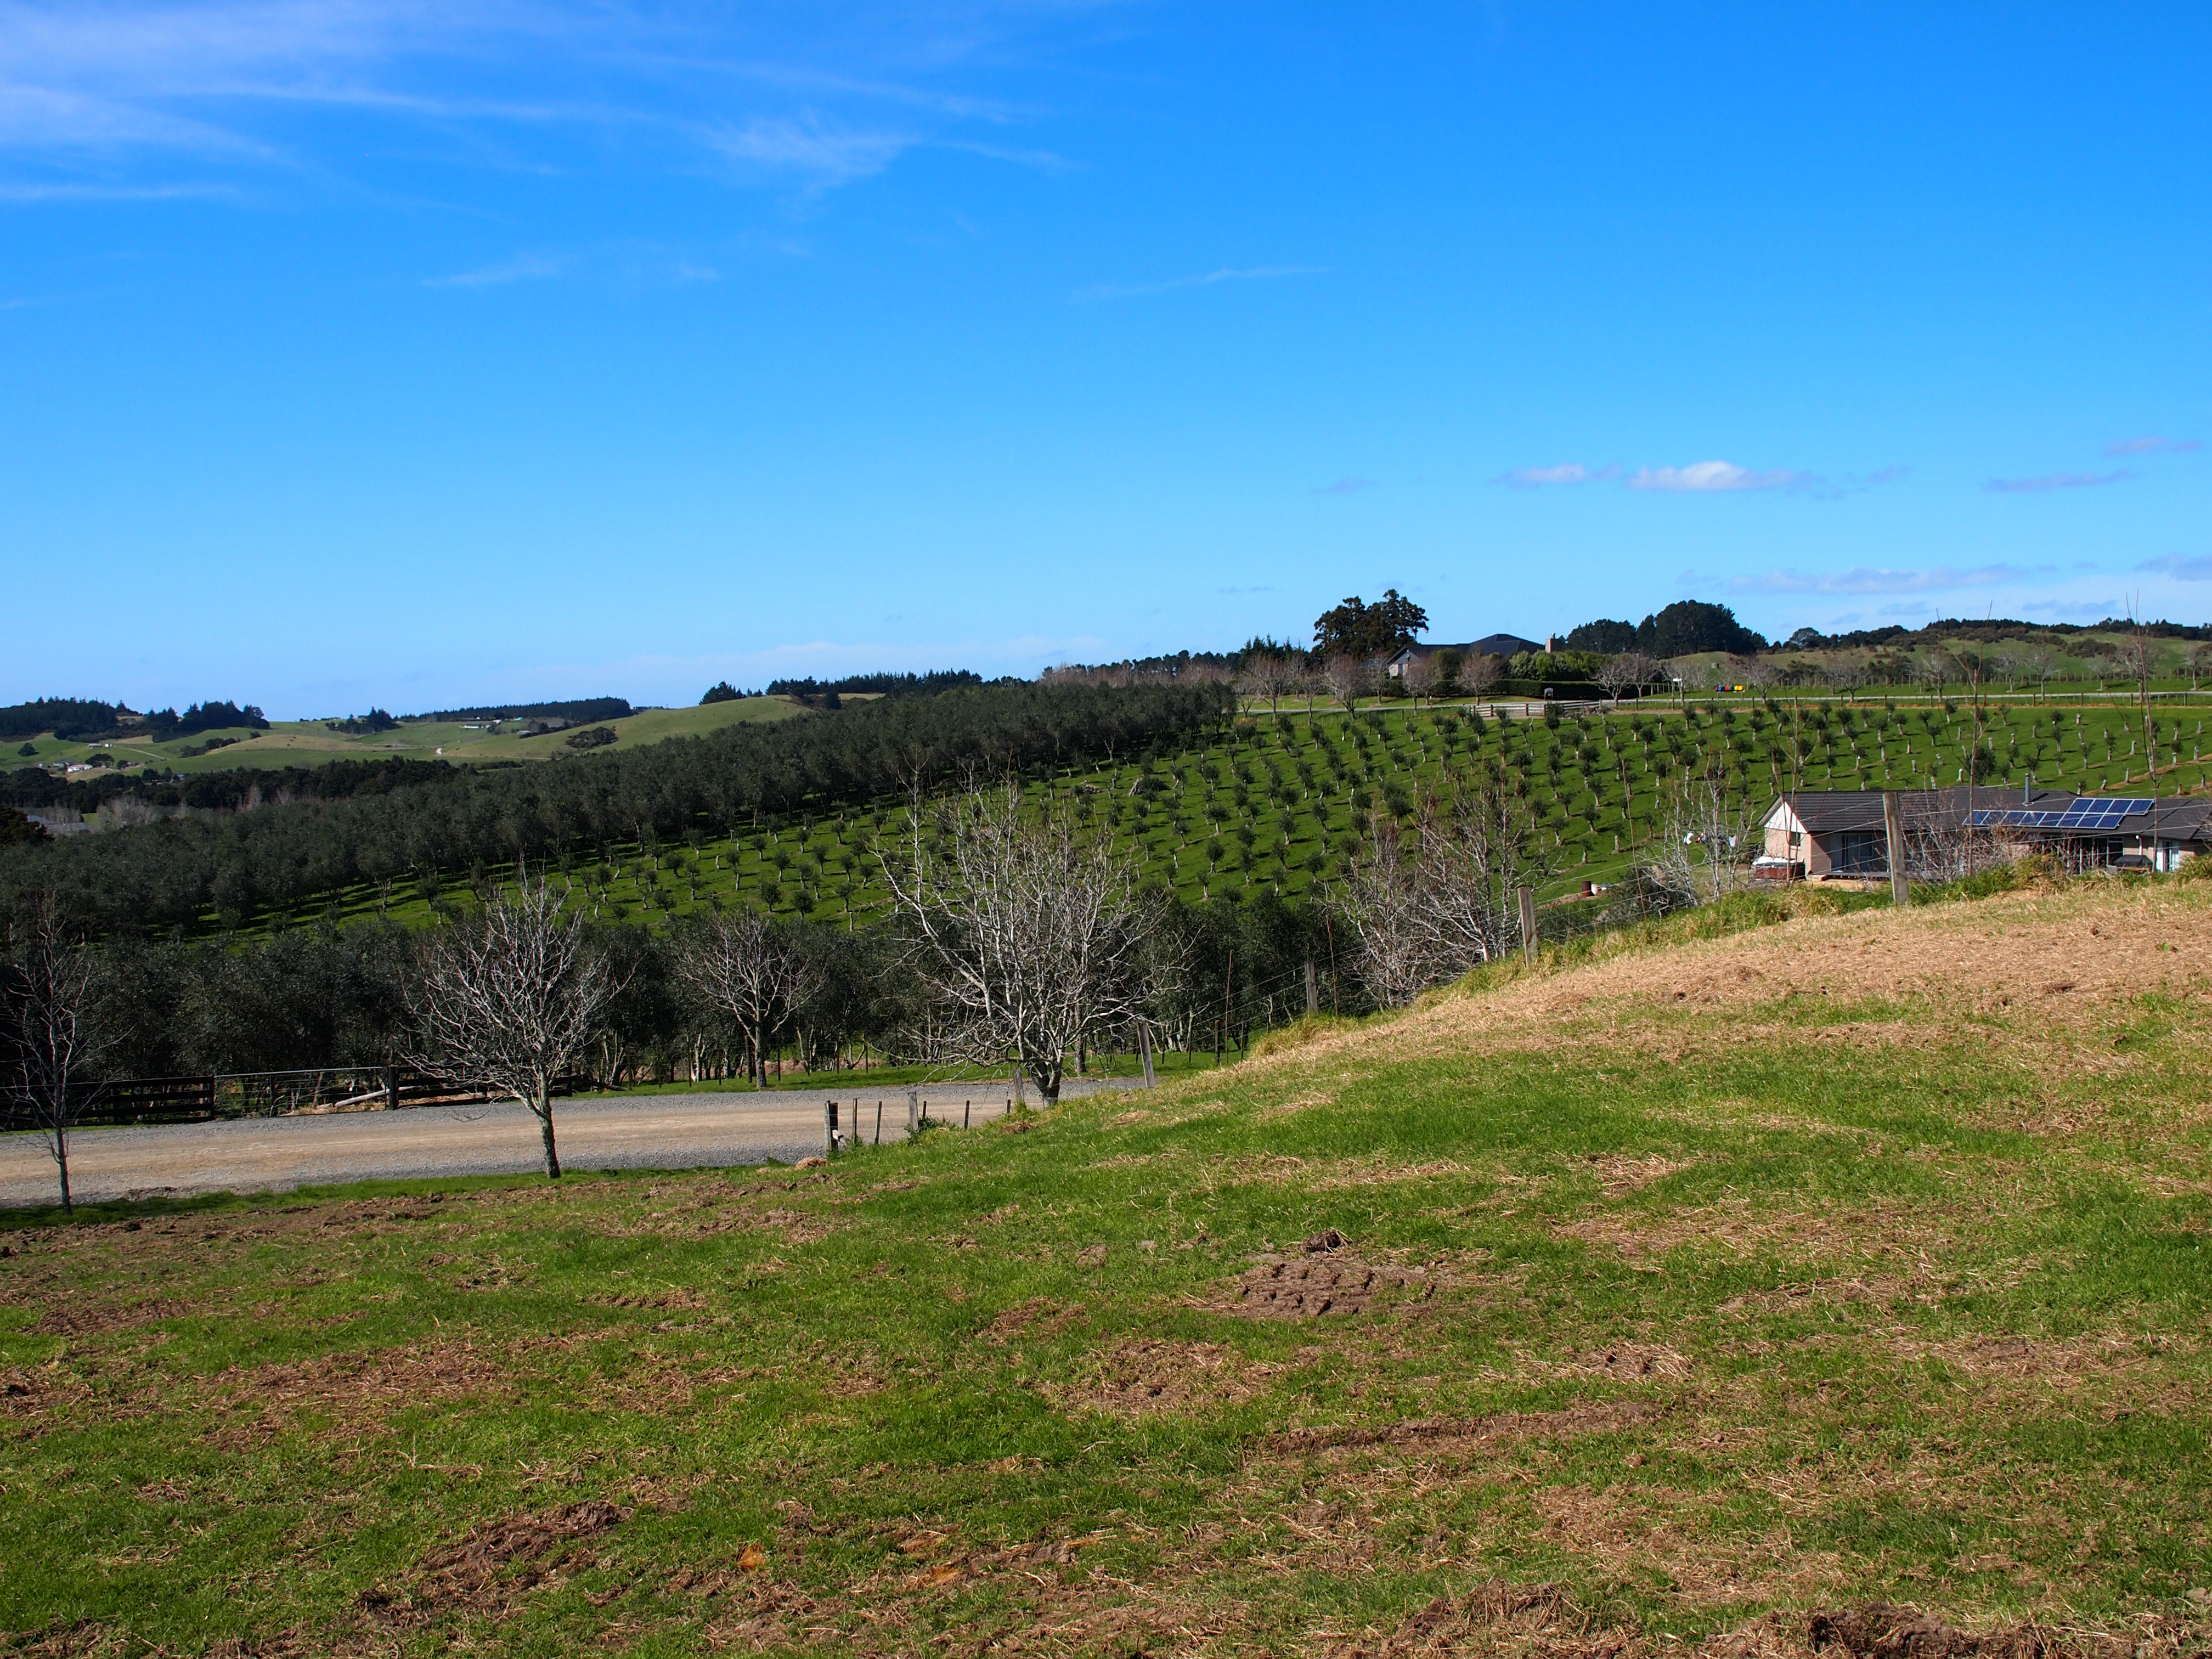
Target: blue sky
x=416, y=353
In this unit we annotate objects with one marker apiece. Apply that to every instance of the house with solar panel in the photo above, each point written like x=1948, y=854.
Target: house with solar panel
x=1840, y=833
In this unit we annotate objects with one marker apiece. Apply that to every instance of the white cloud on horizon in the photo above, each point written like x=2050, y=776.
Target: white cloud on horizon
x=1714, y=476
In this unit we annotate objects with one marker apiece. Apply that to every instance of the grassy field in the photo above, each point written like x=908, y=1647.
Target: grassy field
x=310, y=742
x=1279, y=803
x=1595, y=1309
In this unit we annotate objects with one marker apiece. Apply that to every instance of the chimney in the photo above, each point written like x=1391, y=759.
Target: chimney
x=1551, y=643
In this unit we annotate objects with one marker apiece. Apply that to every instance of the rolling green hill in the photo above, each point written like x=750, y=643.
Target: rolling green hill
x=1279, y=804
x=307, y=743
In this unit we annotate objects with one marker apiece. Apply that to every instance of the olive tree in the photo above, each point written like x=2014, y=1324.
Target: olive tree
x=508, y=998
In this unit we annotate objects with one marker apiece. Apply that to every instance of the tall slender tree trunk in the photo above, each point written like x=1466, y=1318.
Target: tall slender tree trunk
x=61, y=1164
x=543, y=1107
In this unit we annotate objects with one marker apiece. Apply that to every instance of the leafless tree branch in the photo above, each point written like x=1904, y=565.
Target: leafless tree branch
x=508, y=998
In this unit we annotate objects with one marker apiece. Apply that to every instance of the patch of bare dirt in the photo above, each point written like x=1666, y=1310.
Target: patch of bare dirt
x=1038, y=1316
x=1617, y=1173
x=1590, y=1417
x=93, y=1318
x=1879, y=1631
x=1320, y=1283
x=1536, y=1619
x=355, y=1391
x=494, y=1563
x=1144, y=1375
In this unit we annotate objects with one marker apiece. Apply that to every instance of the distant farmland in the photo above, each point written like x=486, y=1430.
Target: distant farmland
x=1280, y=802
x=307, y=743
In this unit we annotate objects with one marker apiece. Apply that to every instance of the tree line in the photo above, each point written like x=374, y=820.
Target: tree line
x=195, y=871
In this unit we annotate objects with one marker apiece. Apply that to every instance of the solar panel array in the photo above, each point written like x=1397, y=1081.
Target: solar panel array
x=2088, y=815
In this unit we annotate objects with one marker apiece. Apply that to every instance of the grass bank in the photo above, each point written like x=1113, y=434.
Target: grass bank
x=1841, y=1259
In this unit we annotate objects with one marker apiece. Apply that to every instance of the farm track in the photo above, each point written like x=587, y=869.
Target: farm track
x=651, y=1132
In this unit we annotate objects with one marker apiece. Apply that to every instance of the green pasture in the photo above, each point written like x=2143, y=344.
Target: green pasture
x=1694, y=1315
x=310, y=742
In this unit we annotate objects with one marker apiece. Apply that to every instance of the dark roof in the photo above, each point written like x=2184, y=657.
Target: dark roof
x=1504, y=645
x=1496, y=645
x=1826, y=812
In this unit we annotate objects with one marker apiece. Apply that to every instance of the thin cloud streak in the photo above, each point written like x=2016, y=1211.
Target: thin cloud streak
x=1566, y=472
x=2198, y=569
x=525, y=268
x=142, y=80
x=1868, y=580
x=2057, y=481
x=1207, y=279
x=2151, y=445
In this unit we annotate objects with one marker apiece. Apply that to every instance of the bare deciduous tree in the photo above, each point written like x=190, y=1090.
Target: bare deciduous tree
x=1269, y=673
x=507, y=998
x=1427, y=914
x=1420, y=675
x=1934, y=667
x=59, y=1028
x=1481, y=672
x=1350, y=678
x=1630, y=670
x=1033, y=938
x=743, y=965
x=1706, y=847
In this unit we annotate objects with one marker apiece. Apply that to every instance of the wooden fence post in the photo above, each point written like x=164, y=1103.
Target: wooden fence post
x=1892, y=822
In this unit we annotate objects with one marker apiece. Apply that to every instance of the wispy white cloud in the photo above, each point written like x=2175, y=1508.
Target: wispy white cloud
x=2152, y=446
x=523, y=267
x=1207, y=279
x=2056, y=480
x=1713, y=476
x=1863, y=579
x=1346, y=486
x=632, y=263
x=1565, y=472
x=76, y=191
x=787, y=94
x=825, y=154
x=2197, y=569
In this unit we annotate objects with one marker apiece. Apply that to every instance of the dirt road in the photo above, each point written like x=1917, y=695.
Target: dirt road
x=659, y=1132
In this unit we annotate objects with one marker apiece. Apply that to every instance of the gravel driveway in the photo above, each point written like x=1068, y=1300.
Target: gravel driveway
x=658, y=1132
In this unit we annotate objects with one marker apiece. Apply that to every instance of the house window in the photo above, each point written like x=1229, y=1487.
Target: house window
x=1861, y=850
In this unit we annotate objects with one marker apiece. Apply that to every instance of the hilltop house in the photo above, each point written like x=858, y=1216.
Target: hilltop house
x=1814, y=836
x=1496, y=645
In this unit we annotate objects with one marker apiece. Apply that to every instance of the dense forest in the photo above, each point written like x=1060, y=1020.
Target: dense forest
x=207, y=870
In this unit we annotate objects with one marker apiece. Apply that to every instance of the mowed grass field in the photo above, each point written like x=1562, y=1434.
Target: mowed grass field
x=309, y=742
x=1281, y=804
x=1596, y=1310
